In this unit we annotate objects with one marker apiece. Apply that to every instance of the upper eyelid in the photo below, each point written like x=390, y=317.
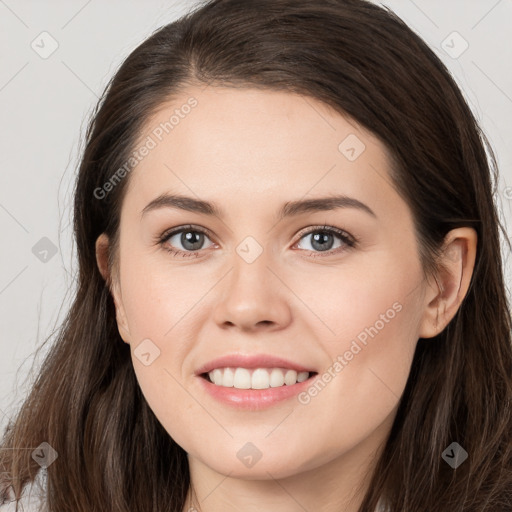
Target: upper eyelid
x=326, y=227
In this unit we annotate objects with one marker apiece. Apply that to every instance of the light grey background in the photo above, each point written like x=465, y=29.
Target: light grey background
x=45, y=103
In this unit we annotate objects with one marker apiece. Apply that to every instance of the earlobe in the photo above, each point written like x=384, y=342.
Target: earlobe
x=122, y=324
x=449, y=286
x=102, y=254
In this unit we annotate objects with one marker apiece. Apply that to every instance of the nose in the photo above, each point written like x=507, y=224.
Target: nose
x=253, y=297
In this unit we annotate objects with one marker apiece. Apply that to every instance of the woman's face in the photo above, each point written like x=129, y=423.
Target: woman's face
x=259, y=283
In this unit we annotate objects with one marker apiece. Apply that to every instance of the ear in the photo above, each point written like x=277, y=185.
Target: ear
x=449, y=286
x=102, y=253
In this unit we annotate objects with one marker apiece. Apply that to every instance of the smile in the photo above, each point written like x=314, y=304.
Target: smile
x=276, y=386
x=258, y=378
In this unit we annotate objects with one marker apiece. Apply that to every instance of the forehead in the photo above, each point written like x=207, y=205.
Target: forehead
x=218, y=142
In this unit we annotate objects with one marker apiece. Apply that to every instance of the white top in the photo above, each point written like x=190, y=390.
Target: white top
x=30, y=497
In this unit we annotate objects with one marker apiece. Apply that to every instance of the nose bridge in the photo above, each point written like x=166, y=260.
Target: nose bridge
x=250, y=250
x=251, y=295
x=250, y=264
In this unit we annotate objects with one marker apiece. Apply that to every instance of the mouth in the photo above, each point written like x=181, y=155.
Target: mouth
x=255, y=389
x=253, y=382
x=256, y=378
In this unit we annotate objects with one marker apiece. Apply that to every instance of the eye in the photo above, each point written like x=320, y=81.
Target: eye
x=190, y=238
x=322, y=240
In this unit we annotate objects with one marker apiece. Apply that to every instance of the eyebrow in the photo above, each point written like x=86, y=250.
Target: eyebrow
x=289, y=209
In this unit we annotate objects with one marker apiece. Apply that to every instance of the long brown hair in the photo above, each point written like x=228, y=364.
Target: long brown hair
x=363, y=61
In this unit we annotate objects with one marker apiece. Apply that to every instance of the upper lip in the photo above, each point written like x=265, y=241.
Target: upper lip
x=251, y=361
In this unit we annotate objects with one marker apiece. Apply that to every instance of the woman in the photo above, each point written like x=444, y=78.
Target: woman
x=290, y=293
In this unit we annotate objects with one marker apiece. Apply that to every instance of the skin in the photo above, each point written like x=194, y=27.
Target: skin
x=250, y=151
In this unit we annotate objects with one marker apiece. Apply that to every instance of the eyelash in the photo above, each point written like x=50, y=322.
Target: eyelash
x=350, y=241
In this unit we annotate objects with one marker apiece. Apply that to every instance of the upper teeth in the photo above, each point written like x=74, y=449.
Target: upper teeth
x=261, y=378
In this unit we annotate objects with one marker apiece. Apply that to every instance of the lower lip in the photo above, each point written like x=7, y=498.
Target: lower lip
x=255, y=399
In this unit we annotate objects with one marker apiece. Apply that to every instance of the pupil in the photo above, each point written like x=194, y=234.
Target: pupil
x=194, y=238
x=322, y=240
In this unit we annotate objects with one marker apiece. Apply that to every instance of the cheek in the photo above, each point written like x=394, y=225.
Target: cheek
x=369, y=333
x=162, y=308
x=369, y=300
x=156, y=299
x=360, y=387
x=374, y=361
